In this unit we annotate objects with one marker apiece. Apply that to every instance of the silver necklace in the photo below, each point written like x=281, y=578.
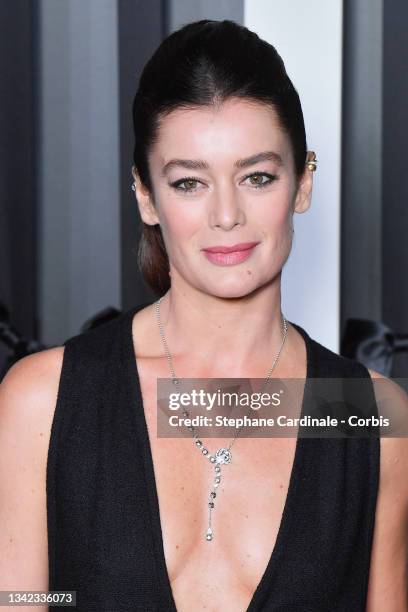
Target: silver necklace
x=223, y=455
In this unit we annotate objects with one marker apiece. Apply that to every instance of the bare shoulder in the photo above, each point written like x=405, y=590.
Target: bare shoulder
x=28, y=395
x=388, y=580
x=29, y=389
x=394, y=451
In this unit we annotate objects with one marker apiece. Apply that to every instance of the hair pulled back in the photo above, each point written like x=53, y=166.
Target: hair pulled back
x=203, y=64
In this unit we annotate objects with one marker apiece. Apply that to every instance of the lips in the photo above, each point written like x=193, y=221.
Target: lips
x=242, y=246
x=230, y=255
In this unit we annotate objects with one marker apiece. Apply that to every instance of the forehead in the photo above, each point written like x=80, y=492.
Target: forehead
x=233, y=128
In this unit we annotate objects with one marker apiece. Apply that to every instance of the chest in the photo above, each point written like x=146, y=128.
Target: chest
x=245, y=520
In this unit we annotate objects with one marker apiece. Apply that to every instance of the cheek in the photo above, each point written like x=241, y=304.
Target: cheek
x=179, y=224
x=274, y=214
x=273, y=217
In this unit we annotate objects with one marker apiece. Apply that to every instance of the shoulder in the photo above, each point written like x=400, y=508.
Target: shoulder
x=387, y=578
x=394, y=451
x=33, y=376
x=28, y=393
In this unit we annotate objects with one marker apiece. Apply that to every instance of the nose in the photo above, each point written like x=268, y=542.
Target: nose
x=226, y=208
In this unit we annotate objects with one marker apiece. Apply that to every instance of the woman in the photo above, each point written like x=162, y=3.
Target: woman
x=220, y=160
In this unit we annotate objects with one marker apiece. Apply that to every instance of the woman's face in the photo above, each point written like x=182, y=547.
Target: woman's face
x=221, y=177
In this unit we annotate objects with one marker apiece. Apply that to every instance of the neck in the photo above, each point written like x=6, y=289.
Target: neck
x=236, y=335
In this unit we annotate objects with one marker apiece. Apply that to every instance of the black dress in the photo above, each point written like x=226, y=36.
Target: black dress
x=104, y=532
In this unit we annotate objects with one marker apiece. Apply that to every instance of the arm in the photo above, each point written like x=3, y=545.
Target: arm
x=388, y=580
x=27, y=400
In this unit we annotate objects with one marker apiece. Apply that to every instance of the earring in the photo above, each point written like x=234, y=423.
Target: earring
x=312, y=161
x=133, y=187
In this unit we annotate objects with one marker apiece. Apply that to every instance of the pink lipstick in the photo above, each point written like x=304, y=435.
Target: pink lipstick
x=230, y=255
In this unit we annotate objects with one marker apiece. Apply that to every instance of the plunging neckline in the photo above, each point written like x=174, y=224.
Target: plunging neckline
x=137, y=407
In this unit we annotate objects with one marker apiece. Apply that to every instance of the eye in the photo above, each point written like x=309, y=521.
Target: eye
x=190, y=183
x=259, y=176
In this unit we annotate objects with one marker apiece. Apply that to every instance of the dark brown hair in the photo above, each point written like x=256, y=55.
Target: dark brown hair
x=202, y=64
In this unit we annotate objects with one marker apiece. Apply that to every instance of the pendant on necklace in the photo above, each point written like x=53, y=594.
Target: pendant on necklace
x=209, y=534
x=222, y=456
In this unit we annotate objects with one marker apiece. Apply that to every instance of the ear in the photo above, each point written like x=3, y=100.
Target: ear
x=304, y=193
x=144, y=201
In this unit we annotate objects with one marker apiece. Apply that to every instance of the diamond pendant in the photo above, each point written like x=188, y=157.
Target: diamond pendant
x=223, y=455
x=209, y=534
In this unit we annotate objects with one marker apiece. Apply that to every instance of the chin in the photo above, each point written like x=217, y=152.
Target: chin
x=232, y=290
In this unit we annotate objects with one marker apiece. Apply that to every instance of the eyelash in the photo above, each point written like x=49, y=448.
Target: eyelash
x=271, y=177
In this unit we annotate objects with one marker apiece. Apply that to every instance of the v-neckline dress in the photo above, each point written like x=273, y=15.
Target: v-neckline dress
x=104, y=528
x=291, y=500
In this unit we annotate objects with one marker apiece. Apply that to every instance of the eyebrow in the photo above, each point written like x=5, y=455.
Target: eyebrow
x=199, y=164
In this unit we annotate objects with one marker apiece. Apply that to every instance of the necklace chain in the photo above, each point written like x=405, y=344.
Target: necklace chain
x=222, y=455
